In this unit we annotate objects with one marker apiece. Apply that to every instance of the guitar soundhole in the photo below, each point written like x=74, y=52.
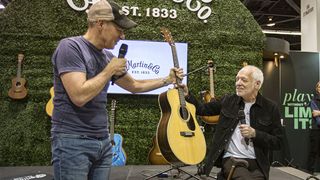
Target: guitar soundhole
x=185, y=115
x=18, y=84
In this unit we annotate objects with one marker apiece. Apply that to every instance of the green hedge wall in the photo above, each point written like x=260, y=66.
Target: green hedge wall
x=34, y=27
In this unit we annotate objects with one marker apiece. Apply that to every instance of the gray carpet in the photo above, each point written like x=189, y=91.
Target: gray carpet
x=140, y=172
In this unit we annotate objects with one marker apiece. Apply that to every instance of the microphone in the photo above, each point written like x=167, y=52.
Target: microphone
x=242, y=119
x=122, y=52
x=306, y=104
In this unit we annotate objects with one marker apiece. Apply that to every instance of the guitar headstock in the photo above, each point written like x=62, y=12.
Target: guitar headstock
x=210, y=63
x=113, y=104
x=20, y=57
x=211, y=66
x=167, y=35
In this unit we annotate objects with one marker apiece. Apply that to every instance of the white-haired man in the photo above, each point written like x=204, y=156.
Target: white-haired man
x=248, y=130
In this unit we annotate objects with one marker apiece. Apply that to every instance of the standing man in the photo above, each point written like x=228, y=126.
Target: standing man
x=83, y=69
x=314, y=137
x=249, y=128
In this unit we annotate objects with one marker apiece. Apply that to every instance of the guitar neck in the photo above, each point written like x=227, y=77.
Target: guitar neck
x=174, y=56
x=112, y=125
x=211, y=82
x=176, y=64
x=112, y=119
x=175, y=60
x=19, y=71
x=20, y=58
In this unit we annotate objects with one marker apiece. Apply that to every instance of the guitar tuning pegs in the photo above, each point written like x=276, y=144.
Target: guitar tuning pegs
x=210, y=64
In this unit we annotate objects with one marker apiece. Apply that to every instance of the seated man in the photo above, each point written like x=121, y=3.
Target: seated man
x=249, y=128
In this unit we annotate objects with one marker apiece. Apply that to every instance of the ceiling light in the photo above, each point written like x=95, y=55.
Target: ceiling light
x=281, y=32
x=271, y=24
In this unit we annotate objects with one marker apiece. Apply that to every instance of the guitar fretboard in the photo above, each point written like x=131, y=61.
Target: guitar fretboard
x=180, y=90
x=19, y=71
x=112, y=119
x=20, y=58
x=211, y=81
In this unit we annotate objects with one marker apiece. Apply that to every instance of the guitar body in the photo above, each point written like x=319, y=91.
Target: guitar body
x=49, y=105
x=209, y=119
x=119, y=157
x=180, y=140
x=18, y=89
x=155, y=157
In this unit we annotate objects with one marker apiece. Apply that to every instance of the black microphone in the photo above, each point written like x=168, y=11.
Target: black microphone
x=242, y=119
x=122, y=52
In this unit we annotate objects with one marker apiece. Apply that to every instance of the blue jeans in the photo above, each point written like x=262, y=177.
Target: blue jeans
x=79, y=157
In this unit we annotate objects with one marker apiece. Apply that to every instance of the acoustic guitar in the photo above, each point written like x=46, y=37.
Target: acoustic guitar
x=49, y=105
x=208, y=96
x=179, y=136
x=155, y=157
x=18, y=89
x=119, y=157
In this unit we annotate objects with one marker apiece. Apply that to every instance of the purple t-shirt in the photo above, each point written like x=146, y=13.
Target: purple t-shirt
x=76, y=54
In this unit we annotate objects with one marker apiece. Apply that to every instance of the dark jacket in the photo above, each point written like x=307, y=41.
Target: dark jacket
x=314, y=105
x=264, y=118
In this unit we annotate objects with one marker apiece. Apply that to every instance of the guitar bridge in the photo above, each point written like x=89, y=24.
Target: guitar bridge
x=187, y=134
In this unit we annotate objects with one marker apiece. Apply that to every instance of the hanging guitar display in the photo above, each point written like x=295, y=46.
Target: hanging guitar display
x=18, y=89
x=208, y=96
x=49, y=105
x=155, y=157
x=179, y=136
x=118, y=155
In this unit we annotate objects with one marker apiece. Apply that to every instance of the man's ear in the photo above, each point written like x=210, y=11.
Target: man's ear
x=99, y=24
x=258, y=83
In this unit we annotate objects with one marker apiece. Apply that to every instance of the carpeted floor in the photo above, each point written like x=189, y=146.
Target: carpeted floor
x=140, y=172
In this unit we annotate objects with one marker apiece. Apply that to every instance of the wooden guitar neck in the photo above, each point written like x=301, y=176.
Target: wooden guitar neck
x=210, y=96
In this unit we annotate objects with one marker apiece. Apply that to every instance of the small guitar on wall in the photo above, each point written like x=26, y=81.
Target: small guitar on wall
x=18, y=89
x=118, y=155
x=49, y=105
x=209, y=96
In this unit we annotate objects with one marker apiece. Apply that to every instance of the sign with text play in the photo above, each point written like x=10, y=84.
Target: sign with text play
x=299, y=75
